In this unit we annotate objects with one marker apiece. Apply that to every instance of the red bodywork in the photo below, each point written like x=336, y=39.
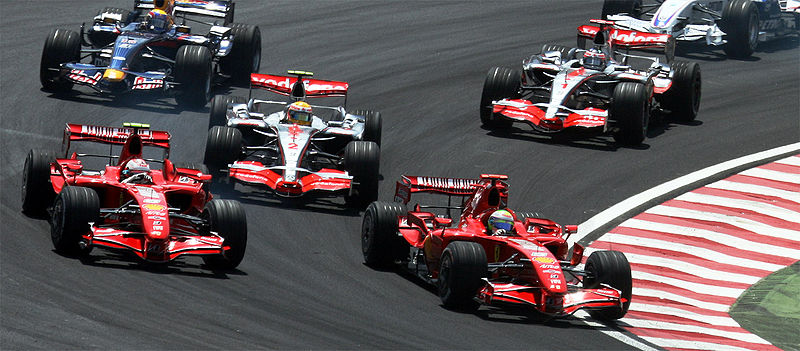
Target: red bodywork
x=628, y=39
x=158, y=221
x=530, y=267
x=283, y=85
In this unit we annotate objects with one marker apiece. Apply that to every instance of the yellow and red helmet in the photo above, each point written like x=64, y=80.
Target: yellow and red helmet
x=164, y=5
x=299, y=113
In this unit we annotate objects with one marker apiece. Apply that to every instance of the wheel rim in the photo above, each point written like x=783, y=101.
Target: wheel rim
x=367, y=235
x=444, y=275
x=752, y=34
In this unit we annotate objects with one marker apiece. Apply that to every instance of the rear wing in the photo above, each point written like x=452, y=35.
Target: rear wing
x=219, y=9
x=440, y=185
x=285, y=85
x=114, y=136
x=626, y=39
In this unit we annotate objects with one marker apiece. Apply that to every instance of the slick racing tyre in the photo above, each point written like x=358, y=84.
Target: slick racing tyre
x=75, y=207
x=362, y=161
x=219, y=108
x=500, y=83
x=193, y=73
x=614, y=7
x=372, y=125
x=245, y=55
x=380, y=243
x=630, y=110
x=462, y=269
x=223, y=146
x=227, y=218
x=683, y=98
x=37, y=192
x=610, y=268
x=100, y=39
x=741, y=24
x=61, y=46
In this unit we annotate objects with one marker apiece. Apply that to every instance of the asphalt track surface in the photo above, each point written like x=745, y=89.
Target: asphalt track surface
x=302, y=283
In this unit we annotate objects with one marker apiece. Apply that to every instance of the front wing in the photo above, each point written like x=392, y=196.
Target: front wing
x=555, y=304
x=519, y=110
x=155, y=250
x=325, y=180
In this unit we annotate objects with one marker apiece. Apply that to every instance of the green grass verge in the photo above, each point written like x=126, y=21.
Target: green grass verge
x=771, y=308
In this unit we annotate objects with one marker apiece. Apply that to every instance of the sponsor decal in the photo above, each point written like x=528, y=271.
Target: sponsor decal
x=555, y=276
x=555, y=286
x=151, y=201
x=157, y=218
x=286, y=83
x=80, y=76
x=156, y=222
x=146, y=83
x=155, y=232
x=147, y=192
x=497, y=252
x=158, y=227
x=555, y=281
x=544, y=259
x=154, y=207
x=549, y=266
x=152, y=212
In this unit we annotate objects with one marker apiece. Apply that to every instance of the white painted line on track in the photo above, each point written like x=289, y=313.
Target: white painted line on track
x=721, y=238
x=685, y=267
x=746, y=224
x=651, y=324
x=677, y=312
x=692, y=345
x=772, y=175
x=637, y=200
x=583, y=316
x=755, y=206
x=792, y=161
x=755, y=189
x=660, y=294
x=699, y=252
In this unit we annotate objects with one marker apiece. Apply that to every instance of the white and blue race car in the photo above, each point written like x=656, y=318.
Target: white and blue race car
x=735, y=25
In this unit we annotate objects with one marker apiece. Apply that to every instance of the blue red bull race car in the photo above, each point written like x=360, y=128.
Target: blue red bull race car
x=132, y=51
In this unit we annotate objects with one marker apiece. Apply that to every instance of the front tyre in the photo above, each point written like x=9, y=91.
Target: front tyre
x=223, y=147
x=61, y=46
x=683, y=98
x=227, y=218
x=193, y=73
x=462, y=269
x=75, y=207
x=380, y=242
x=219, y=109
x=373, y=124
x=610, y=268
x=500, y=83
x=630, y=110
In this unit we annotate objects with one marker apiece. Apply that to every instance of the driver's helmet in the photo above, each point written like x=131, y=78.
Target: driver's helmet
x=299, y=113
x=164, y=5
x=500, y=219
x=594, y=59
x=136, y=166
x=158, y=21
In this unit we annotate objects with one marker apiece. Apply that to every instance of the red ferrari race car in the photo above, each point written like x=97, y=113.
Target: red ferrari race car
x=492, y=254
x=596, y=89
x=158, y=215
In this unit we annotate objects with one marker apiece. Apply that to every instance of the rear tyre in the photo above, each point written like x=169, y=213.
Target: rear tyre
x=380, y=242
x=75, y=207
x=245, y=55
x=61, y=46
x=462, y=268
x=193, y=74
x=219, y=108
x=613, y=7
x=610, y=268
x=740, y=23
x=223, y=146
x=228, y=219
x=631, y=112
x=683, y=98
x=102, y=38
x=372, y=125
x=37, y=191
x=362, y=161
x=500, y=83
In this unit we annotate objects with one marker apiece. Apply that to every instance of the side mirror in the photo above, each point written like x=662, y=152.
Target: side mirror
x=443, y=222
x=577, y=254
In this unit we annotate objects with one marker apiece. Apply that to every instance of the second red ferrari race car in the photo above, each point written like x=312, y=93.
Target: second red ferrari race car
x=491, y=254
x=158, y=215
